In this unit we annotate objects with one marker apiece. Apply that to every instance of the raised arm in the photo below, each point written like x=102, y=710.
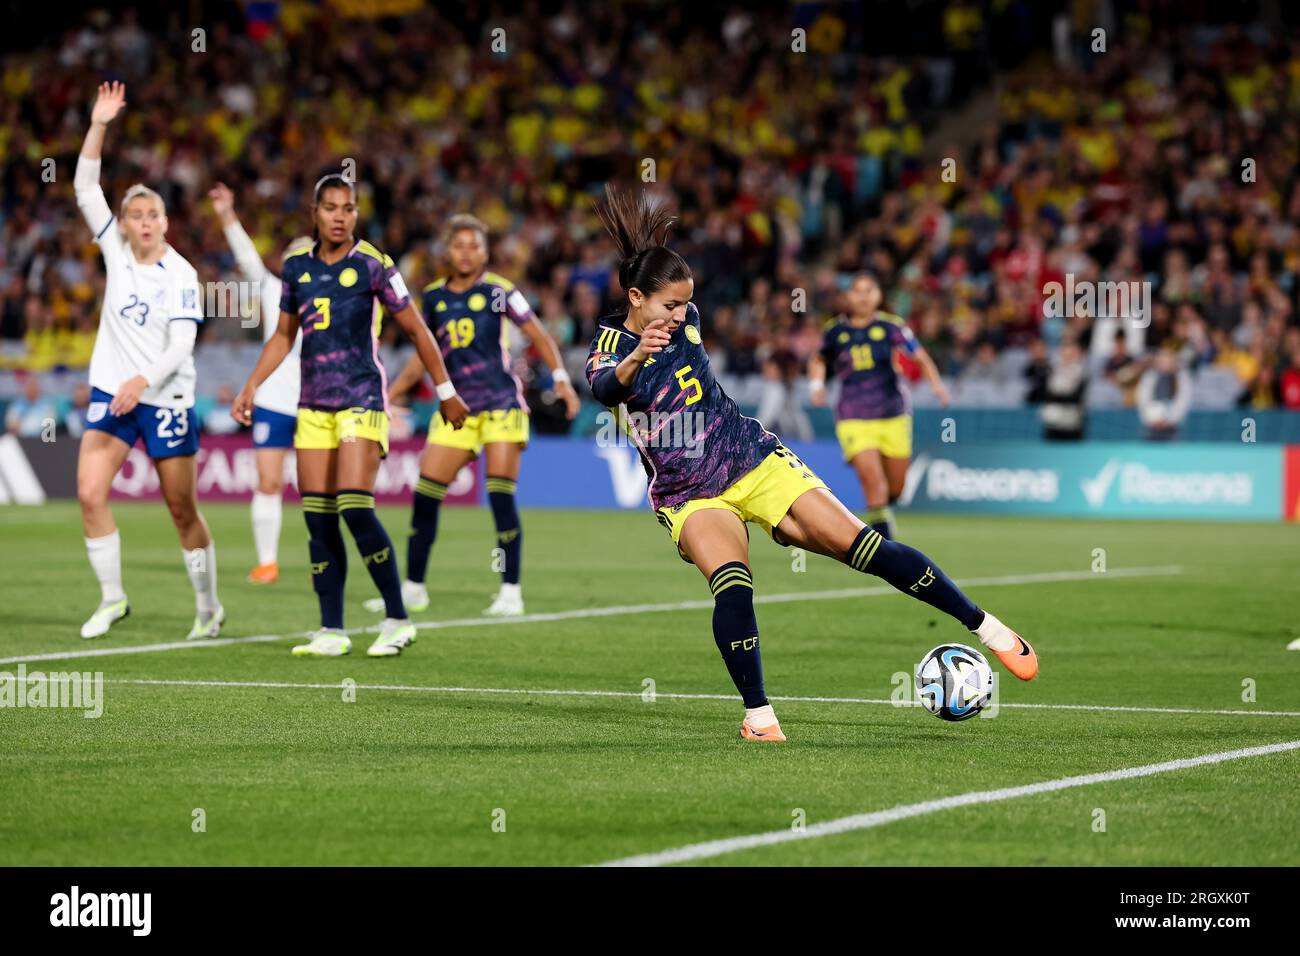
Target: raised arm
x=90, y=196
x=246, y=257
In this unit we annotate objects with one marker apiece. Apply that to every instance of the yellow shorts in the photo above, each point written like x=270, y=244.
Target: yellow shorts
x=503, y=425
x=892, y=437
x=318, y=429
x=763, y=496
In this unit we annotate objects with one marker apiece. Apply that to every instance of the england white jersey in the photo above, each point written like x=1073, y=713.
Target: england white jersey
x=140, y=304
x=279, y=393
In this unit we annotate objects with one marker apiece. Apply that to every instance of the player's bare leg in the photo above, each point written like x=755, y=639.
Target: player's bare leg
x=819, y=522
x=501, y=460
x=178, y=480
x=870, y=468
x=267, y=511
x=328, y=553
x=896, y=478
x=439, y=465
x=716, y=540
x=99, y=458
x=358, y=466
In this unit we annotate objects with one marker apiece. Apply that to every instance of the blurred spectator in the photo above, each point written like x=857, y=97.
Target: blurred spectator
x=1164, y=396
x=1123, y=370
x=33, y=413
x=217, y=420
x=1063, y=397
x=74, y=419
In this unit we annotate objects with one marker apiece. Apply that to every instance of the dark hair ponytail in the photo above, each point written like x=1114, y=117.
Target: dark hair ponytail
x=639, y=230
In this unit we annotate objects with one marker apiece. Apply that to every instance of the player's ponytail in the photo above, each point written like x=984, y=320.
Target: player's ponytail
x=639, y=230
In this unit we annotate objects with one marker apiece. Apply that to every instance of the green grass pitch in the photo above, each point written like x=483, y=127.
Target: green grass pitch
x=299, y=775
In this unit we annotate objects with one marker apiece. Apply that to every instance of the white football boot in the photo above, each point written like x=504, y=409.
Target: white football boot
x=327, y=642
x=394, y=635
x=509, y=602
x=414, y=596
x=105, y=616
x=204, y=630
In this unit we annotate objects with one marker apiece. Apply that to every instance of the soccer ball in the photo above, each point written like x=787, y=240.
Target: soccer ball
x=954, y=681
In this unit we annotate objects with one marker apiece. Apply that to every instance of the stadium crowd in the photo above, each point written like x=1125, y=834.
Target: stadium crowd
x=1168, y=160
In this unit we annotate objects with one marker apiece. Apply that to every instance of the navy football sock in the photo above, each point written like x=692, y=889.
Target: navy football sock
x=735, y=630
x=358, y=509
x=912, y=573
x=424, y=526
x=510, y=537
x=881, y=520
x=329, y=557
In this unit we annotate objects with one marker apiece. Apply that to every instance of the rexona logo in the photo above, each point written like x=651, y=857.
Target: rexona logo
x=1138, y=484
x=945, y=480
x=76, y=908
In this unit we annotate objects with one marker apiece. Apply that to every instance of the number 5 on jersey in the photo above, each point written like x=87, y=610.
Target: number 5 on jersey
x=691, y=383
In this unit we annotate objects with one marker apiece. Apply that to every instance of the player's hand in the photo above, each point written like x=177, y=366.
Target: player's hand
x=108, y=103
x=241, y=409
x=817, y=395
x=128, y=396
x=223, y=201
x=654, y=339
x=941, y=392
x=572, y=404
x=454, y=410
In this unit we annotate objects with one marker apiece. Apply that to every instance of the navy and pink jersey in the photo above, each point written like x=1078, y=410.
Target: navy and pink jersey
x=693, y=440
x=862, y=357
x=475, y=342
x=339, y=309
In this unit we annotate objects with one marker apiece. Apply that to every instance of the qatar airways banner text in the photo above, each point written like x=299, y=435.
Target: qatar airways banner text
x=228, y=472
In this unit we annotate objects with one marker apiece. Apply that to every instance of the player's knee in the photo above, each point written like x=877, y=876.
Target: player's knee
x=270, y=486
x=91, y=495
x=184, y=511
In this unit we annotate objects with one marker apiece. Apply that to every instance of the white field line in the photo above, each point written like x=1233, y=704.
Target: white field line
x=866, y=821
x=550, y=692
x=1046, y=577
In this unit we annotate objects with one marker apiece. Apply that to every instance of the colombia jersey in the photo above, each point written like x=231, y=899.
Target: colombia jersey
x=338, y=307
x=475, y=342
x=693, y=440
x=863, y=359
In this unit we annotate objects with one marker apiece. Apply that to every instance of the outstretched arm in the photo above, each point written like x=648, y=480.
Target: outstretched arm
x=90, y=196
x=246, y=257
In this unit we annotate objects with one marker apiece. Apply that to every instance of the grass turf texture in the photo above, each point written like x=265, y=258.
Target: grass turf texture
x=298, y=776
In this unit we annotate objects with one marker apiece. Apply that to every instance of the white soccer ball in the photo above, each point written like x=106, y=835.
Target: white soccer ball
x=954, y=681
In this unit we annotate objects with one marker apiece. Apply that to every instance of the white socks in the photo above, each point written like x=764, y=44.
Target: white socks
x=201, y=565
x=106, y=561
x=512, y=592
x=995, y=635
x=760, y=717
x=266, y=526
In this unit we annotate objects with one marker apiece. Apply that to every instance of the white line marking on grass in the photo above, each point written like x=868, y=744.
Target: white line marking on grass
x=866, y=821
x=549, y=692
x=1046, y=577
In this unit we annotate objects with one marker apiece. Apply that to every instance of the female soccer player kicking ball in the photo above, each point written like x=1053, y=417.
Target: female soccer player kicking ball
x=651, y=361
x=275, y=406
x=465, y=313
x=332, y=291
x=141, y=380
x=873, y=419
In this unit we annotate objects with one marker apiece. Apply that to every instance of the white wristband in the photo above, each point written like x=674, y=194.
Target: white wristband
x=559, y=375
x=446, y=390
x=816, y=383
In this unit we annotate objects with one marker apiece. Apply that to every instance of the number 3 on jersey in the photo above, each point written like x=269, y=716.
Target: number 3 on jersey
x=322, y=307
x=691, y=383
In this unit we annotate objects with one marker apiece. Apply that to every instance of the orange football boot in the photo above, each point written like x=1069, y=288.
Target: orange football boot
x=1020, y=660
x=264, y=574
x=761, y=733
